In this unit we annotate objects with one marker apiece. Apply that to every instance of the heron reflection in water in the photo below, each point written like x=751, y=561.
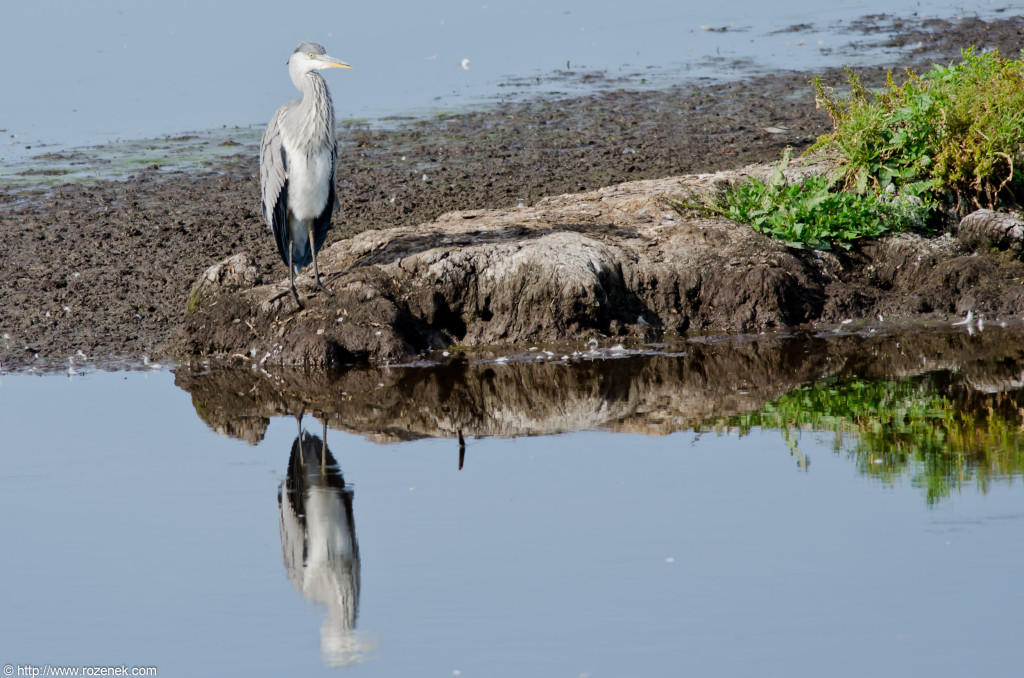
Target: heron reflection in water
x=318, y=543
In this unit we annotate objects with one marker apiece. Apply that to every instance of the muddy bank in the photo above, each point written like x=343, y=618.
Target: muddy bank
x=702, y=383
x=609, y=264
x=106, y=269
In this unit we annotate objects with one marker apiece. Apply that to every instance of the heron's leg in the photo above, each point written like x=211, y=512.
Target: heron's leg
x=316, y=269
x=323, y=450
x=291, y=275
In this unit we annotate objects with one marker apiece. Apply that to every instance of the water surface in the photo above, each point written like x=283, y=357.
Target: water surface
x=816, y=506
x=97, y=72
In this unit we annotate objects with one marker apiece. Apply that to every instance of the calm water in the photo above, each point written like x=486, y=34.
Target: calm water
x=788, y=513
x=87, y=73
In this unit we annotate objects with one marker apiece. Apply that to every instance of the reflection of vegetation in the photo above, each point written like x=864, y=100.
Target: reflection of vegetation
x=940, y=434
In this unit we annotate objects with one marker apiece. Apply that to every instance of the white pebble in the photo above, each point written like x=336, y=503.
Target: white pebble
x=968, y=319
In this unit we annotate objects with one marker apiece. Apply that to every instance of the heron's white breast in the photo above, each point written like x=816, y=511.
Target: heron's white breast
x=328, y=535
x=309, y=182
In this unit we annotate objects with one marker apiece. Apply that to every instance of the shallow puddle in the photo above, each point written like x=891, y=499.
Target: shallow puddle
x=806, y=506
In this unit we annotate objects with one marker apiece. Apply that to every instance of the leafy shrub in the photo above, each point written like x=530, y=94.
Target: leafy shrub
x=810, y=213
x=955, y=133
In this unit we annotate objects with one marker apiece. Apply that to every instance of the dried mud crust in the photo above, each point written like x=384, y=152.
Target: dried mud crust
x=106, y=269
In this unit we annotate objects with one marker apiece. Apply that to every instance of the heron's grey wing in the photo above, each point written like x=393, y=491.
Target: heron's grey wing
x=322, y=223
x=274, y=182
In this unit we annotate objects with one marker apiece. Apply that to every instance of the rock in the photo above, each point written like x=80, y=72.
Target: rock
x=236, y=272
x=613, y=262
x=616, y=262
x=985, y=229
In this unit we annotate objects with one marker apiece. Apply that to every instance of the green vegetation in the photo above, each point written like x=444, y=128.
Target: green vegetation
x=940, y=434
x=954, y=133
x=950, y=138
x=811, y=212
x=196, y=299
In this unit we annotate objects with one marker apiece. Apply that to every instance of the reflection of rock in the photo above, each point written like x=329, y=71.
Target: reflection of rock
x=655, y=394
x=225, y=405
x=995, y=376
x=318, y=542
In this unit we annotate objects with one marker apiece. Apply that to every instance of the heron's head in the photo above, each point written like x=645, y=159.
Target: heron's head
x=309, y=56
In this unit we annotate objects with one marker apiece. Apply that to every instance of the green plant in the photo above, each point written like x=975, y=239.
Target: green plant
x=810, y=212
x=955, y=133
x=196, y=300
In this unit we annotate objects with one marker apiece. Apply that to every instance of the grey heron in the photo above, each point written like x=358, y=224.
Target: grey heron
x=298, y=157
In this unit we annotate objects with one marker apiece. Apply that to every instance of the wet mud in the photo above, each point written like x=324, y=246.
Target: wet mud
x=104, y=271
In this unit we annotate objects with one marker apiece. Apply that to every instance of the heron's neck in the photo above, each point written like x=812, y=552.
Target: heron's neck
x=316, y=110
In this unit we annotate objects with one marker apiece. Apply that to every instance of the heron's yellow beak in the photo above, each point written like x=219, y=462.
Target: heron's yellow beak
x=331, y=62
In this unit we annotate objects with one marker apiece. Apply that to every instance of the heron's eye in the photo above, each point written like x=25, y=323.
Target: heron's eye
x=312, y=56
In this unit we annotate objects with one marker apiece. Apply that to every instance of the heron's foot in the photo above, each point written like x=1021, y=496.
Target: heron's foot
x=321, y=285
x=295, y=296
x=281, y=295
